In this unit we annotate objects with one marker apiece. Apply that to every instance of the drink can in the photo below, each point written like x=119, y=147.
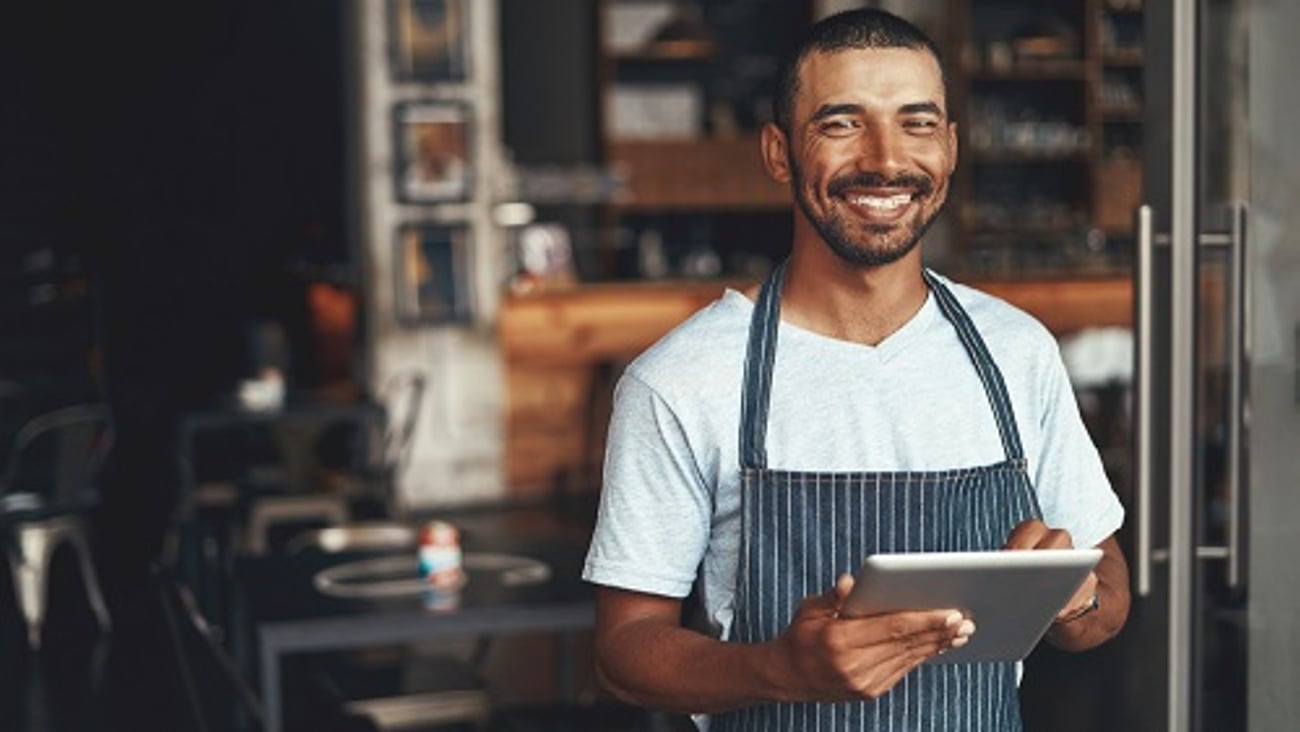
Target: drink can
x=440, y=556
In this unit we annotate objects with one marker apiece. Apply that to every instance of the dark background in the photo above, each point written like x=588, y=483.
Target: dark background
x=170, y=174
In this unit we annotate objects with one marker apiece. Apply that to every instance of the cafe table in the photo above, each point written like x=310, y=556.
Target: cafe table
x=288, y=603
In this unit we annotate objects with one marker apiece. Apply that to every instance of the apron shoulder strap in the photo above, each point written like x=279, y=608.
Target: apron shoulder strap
x=760, y=355
x=994, y=386
x=756, y=390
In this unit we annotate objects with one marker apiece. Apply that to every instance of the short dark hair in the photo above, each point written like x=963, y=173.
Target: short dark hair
x=851, y=29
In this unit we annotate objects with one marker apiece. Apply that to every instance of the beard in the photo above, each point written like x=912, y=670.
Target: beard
x=860, y=248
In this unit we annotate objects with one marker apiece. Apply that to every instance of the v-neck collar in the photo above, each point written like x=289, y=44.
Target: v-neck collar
x=884, y=351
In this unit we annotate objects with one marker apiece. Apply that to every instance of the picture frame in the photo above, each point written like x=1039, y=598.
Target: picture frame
x=432, y=266
x=429, y=40
x=432, y=145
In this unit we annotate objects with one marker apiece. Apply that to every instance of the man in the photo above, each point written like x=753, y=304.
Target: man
x=857, y=403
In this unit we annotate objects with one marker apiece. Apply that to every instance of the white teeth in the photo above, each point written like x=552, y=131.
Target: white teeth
x=882, y=203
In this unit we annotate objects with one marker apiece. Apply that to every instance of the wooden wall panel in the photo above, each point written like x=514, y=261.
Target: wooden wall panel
x=564, y=350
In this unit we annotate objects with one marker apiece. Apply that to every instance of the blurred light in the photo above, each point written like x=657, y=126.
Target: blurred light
x=514, y=214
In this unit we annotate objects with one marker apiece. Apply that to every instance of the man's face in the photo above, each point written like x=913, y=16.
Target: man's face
x=871, y=150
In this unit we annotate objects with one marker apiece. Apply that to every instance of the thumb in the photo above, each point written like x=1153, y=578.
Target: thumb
x=843, y=586
x=828, y=602
x=839, y=592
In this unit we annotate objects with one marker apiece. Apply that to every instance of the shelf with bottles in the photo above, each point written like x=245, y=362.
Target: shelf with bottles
x=685, y=87
x=1006, y=38
x=655, y=58
x=1077, y=255
x=1119, y=95
x=1027, y=122
x=1118, y=181
x=692, y=69
x=1045, y=197
x=649, y=247
x=1051, y=98
x=1120, y=33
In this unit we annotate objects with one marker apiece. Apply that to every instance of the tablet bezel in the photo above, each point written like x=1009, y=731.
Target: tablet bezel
x=1012, y=595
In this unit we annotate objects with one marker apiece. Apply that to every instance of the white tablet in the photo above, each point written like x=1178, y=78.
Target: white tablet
x=1011, y=595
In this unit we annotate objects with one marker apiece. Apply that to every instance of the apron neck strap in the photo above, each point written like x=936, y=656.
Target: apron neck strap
x=756, y=394
x=995, y=388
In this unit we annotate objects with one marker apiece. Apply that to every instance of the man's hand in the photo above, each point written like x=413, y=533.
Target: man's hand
x=832, y=658
x=1034, y=534
x=1098, y=608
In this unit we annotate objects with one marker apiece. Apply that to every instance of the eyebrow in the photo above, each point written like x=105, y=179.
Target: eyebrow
x=831, y=110
x=921, y=108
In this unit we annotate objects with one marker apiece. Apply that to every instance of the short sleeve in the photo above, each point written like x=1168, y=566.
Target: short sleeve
x=653, y=523
x=1071, y=482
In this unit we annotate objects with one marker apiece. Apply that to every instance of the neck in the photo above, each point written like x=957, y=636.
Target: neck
x=864, y=305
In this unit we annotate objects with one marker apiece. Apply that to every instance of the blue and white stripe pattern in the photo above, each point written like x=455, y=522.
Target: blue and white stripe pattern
x=803, y=529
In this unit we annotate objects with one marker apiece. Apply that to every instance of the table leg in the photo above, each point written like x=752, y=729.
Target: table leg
x=270, y=683
x=565, y=671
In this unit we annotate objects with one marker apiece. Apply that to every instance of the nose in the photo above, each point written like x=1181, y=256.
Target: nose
x=881, y=150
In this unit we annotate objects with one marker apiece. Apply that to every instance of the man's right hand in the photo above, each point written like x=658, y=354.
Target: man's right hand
x=645, y=657
x=833, y=658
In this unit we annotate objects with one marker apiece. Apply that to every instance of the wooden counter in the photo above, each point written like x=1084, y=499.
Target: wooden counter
x=563, y=351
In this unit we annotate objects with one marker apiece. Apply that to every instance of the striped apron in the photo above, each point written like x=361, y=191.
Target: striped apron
x=801, y=530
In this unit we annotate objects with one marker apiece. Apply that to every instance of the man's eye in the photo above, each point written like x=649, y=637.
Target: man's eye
x=838, y=126
x=920, y=125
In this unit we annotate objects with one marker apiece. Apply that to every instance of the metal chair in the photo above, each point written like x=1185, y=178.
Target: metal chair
x=378, y=477
x=363, y=487
x=47, y=490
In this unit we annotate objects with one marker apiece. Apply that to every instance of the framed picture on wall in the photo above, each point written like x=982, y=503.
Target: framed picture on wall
x=432, y=141
x=432, y=265
x=429, y=40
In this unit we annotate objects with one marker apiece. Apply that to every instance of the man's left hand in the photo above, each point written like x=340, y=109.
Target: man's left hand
x=1034, y=534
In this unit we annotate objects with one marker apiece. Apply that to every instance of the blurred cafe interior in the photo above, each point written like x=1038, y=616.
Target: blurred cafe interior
x=299, y=294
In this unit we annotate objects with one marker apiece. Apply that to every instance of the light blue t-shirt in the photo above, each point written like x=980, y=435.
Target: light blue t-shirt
x=670, y=503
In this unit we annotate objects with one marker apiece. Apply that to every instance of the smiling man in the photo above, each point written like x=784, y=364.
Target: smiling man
x=856, y=403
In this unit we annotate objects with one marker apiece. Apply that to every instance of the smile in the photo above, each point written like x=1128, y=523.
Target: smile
x=881, y=203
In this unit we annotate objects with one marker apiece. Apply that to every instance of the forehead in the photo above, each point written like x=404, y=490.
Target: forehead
x=885, y=78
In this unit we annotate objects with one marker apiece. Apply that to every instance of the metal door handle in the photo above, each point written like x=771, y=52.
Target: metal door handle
x=1144, y=385
x=1238, y=404
x=1238, y=298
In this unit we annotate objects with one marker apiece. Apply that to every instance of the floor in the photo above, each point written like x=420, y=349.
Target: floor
x=84, y=682
x=155, y=672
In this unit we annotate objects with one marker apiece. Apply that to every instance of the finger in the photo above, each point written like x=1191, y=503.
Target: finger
x=821, y=604
x=1026, y=534
x=903, y=628
x=894, y=674
x=843, y=586
x=882, y=674
x=1055, y=539
x=1081, y=598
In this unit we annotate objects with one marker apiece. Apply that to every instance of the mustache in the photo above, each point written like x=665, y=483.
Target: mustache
x=921, y=183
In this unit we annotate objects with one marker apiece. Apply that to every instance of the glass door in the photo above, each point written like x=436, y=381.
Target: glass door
x=1216, y=524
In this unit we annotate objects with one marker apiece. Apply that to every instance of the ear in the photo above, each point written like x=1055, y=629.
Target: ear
x=776, y=153
x=952, y=145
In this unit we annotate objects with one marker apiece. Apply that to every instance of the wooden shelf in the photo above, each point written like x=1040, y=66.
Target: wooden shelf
x=1097, y=90
x=1126, y=57
x=1033, y=71
x=695, y=174
x=1121, y=115
x=669, y=51
x=1027, y=232
x=1032, y=156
